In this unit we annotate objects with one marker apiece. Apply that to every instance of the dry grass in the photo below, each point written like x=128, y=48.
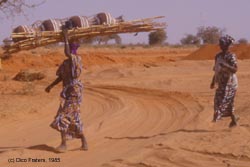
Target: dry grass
x=28, y=76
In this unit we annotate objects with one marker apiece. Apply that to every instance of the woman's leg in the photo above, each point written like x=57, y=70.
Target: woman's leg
x=234, y=118
x=84, y=142
x=218, y=97
x=63, y=146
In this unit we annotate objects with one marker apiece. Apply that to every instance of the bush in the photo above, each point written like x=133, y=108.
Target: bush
x=190, y=39
x=157, y=38
x=27, y=76
x=10, y=8
x=242, y=41
x=210, y=35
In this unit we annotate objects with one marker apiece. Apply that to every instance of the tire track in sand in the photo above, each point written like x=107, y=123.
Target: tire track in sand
x=132, y=118
x=148, y=125
x=119, y=122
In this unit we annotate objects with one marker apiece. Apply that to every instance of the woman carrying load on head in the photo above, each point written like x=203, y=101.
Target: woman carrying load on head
x=67, y=121
x=225, y=78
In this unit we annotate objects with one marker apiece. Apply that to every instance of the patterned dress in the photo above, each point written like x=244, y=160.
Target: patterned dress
x=227, y=85
x=68, y=116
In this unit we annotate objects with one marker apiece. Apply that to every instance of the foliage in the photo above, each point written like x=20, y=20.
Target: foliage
x=242, y=41
x=210, y=35
x=87, y=41
x=190, y=39
x=106, y=38
x=11, y=8
x=157, y=37
x=118, y=39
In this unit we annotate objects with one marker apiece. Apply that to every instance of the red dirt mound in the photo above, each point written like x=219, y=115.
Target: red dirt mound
x=242, y=51
x=45, y=58
x=208, y=52
x=33, y=59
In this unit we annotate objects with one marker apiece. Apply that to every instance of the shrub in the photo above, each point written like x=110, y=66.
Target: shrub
x=27, y=76
x=190, y=39
x=242, y=41
x=210, y=35
x=157, y=37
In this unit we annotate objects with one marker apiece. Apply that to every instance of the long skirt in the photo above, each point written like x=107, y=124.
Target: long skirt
x=224, y=102
x=68, y=119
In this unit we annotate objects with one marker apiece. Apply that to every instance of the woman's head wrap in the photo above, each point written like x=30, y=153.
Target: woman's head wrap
x=73, y=47
x=226, y=40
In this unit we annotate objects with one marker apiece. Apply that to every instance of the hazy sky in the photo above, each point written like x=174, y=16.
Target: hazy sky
x=182, y=16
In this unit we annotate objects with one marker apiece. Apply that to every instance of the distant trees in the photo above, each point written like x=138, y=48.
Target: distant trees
x=102, y=39
x=106, y=38
x=10, y=8
x=88, y=41
x=157, y=37
x=210, y=35
x=204, y=35
x=242, y=41
x=190, y=39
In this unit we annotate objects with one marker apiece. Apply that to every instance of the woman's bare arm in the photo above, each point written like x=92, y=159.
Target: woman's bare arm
x=232, y=69
x=66, y=44
x=54, y=83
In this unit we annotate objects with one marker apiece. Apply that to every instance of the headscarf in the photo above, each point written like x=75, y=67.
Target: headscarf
x=226, y=40
x=73, y=47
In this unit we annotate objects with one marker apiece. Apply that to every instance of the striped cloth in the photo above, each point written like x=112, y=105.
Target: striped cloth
x=68, y=116
x=227, y=86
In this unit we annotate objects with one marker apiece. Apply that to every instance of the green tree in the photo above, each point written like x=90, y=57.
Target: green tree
x=190, y=39
x=210, y=35
x=11, y=8
x=157, y=37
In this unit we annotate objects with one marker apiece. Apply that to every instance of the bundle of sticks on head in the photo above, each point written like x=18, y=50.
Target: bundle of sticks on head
x=43, y=33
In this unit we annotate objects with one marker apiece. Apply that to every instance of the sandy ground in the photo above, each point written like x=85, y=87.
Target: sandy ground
x=142, y=107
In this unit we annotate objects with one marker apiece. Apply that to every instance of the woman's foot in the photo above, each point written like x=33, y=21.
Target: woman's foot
x=62, y=148
x=234, y=121
x=84, y=143
x=84, y=147
x=216, y=117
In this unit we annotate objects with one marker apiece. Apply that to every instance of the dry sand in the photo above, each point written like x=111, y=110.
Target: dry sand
x=142, y=107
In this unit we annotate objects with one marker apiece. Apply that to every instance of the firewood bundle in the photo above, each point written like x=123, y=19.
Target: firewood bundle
x=50, y=31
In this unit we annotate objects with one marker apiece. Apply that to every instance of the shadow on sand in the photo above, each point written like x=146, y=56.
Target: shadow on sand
x=41, y=147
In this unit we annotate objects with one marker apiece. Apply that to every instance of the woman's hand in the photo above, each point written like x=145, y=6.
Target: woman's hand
x=48, y=89
x=55, y=82
x=212, y=85
x=223, y=64
x=65, y=31
x=226, y=67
